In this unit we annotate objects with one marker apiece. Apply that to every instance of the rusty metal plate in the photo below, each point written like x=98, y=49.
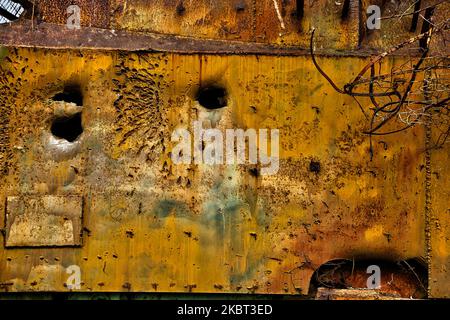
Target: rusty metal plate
x=50, y=221
x=267, y=21
x=276, y=22
x=151, y=225
x=133, y=75
x=263, y=27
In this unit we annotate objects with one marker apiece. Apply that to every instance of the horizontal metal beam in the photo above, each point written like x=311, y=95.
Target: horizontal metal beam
x=55, y=36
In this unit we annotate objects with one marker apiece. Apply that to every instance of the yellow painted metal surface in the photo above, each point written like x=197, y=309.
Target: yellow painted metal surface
x=439, y=221
x=151, y=225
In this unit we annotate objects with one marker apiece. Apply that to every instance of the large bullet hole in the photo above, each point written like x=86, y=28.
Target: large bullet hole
x=68, y=128
x=212, y=97
x=70, y=94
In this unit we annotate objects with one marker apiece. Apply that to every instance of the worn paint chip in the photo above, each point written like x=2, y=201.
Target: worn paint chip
x=33, y=221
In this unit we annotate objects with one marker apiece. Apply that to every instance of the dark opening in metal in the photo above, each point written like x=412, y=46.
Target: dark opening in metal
x=70, y=94
x=406, y=278
x=212, y=97
x=68, y=128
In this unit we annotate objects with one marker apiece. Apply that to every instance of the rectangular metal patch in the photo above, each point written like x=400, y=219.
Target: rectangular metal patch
x=42, y=221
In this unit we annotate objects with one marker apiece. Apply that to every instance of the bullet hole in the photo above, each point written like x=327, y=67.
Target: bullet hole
x=181, y=9
x=190, y=287
x=316, y=109
x=254, y=172
x=212, y=97
x=240, y=6
x=127, y=286
x=385, y=145
x=314, y=166
x=68, y=127
x=88, y=232
x=71, y=94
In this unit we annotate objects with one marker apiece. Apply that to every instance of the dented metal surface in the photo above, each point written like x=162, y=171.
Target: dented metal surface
x=149, y=225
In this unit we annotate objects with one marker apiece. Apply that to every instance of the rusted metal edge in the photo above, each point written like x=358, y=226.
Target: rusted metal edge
x=55, y=36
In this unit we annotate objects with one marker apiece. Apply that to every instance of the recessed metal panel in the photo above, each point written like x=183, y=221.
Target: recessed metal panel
x=43, y=221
